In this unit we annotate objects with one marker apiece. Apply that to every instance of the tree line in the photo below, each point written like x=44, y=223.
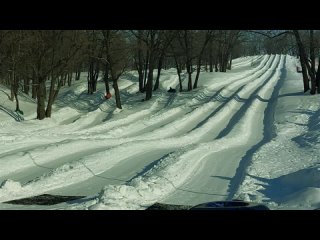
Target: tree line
x=304, y=44
x=41, y=62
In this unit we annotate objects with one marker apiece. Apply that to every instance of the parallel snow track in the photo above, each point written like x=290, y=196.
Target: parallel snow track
x=228, y=102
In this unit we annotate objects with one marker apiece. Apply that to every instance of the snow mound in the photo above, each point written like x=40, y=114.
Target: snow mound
x=10, y=189
x=10, y=186
x=158, y=182
x=305, y=198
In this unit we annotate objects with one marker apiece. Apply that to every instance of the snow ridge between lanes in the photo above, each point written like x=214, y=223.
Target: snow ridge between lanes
x=156, y=182
x=172, y=171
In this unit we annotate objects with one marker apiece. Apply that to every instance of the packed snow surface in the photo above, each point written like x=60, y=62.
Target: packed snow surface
x=250, y=133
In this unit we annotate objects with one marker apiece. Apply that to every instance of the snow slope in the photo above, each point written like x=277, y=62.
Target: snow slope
x=183, y=148
x=284, y=173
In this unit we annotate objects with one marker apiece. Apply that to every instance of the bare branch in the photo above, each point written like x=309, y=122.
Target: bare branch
x=268, y=35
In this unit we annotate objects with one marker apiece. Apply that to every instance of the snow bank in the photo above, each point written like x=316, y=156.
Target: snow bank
x=10, y=185
x=10, y=189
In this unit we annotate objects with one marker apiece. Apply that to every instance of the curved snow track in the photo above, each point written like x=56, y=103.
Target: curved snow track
x=185, y=148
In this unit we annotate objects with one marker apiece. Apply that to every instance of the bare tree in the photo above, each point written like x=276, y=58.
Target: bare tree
x=308, y=67
x=177, y=54
x=166, y=40
x=304, y=61
x=206, y=36
x=94, y=54
x=51, y=53
x=140, y=58
x=13, y=56
x=152, y=40
x=116, y=58
x=193, y=43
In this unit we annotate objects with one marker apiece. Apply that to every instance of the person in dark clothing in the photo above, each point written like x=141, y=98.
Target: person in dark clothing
x=172, y=90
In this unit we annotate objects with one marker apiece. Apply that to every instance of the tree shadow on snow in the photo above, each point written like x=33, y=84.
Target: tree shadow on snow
x=282, y=188
x=222, y=177
x=292, y=94
x=312, y=135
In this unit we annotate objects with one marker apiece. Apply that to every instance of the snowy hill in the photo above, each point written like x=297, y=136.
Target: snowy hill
x=241, y=134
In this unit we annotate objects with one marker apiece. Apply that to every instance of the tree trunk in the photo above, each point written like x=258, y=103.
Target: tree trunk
x=34, y=86
x=12, y=91
x=41, y=113
x=15, y=92
x=141, y=83
x=189, y=81
x=195, y=85
x=26, y=84
x=17, y=102
x=313, y=63
x=224, y=62
x=210, y=56
x=303, y=61
x=34, y=90
x=63, y=78
x=149, y=84
x=156, y=85
x=304, y=74
x=70, y=78
x=165, y=64
x=217, y=61
x=211, y=64
x=140, y=67
x=318, y=79
x=178, y=72
x=106, y=78
x=117, y=93
x=49, y=109
x=78, y=73
x=189, y=71
x=139, y=63
x=146, y=70
x=182, y=67
x=51, y=95
x=89, y=78
x=89, y=82
x=230, y=63
x=216, y=66
x=207, y=40
x=93, y=75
